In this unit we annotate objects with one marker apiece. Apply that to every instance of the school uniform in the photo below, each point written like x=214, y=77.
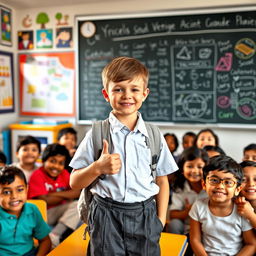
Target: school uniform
x=122, y=217
x=16, y=234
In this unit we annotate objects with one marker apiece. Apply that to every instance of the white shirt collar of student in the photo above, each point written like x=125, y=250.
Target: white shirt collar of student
x=116, y=125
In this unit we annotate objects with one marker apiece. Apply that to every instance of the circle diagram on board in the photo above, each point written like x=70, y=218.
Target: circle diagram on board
x=247, y=109
x=194, y=106
x=88, y=29
x=223, y=101
x=245, y=48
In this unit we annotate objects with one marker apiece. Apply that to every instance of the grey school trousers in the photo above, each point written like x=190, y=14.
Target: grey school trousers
x=123, y=229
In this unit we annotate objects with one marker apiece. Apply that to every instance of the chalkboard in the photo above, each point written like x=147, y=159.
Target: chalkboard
x=202, y=66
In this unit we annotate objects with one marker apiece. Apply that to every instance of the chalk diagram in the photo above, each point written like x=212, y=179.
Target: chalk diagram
x=193, y=78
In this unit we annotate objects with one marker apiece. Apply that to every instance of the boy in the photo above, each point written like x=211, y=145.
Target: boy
x=27, y=152
x=215, y=226
x=51, y=183
x=246, y=203
x=250, y=153
x=20, y=222
x=188, y=139
x=68, y=138
x=123, y=216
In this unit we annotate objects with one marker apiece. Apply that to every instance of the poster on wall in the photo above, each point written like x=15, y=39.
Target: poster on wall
x=47, y=84
x=5, y=26
x=6, y=82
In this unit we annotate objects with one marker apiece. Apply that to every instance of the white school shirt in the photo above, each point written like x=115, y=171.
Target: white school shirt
x=221, y=236
x=134, y=181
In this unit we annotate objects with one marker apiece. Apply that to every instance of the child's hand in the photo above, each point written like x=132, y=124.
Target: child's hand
x=244, y=208
x=108, y=163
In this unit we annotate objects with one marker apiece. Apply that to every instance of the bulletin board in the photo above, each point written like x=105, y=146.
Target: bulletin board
x=47, y=84
x=6, y=82
x=201, y=65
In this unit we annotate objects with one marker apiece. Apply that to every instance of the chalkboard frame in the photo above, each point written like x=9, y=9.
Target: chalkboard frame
x=135, y=15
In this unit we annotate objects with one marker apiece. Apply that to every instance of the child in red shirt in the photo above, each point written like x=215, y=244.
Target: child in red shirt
x=51, y=183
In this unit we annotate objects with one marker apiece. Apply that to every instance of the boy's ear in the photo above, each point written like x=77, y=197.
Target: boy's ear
x=237, y=190
x=105, y=94
x=146, y=93
x=203, y=184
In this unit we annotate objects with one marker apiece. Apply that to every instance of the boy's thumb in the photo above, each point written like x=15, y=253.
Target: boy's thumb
x=105, y=147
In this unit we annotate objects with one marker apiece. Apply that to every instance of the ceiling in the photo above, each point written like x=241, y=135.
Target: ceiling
x=23, y=4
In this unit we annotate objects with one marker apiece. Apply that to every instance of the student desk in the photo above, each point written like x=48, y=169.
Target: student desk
x=74, y=245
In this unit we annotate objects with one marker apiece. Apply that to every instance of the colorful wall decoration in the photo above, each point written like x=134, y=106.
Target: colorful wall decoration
x=6, y=82
x=5, y=26
x=47, y=84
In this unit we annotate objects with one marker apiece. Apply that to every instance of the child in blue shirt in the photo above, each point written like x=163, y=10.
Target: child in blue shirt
x=20, y=222
x=128, y=210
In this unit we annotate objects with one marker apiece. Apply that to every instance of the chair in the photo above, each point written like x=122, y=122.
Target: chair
x=41, y=205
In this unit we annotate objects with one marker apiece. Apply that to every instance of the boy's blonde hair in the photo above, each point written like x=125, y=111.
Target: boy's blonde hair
x=122, y=69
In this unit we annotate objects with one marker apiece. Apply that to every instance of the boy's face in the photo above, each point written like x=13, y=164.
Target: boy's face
x=13, y=196
x=193, y=170
x=126, y=97
x=68, y=140
x=28, y=154
x=249, y=183
x=188, y=141
x=221, y=187
x=205, y=139
x=170, y=143
x=250, y=155
x=54, y=165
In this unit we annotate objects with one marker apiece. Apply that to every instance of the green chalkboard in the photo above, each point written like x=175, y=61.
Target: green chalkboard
x=202, y=66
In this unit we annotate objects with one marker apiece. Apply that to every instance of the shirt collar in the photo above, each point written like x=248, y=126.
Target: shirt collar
x=6, y=215
x=117, y=126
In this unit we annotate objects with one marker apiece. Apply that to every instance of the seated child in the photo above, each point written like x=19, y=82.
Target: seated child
x=20, y=221
x=27, y=152
x=214, y=151
x=51, y=183
x=3, y=159
x=188, y=139
x=206, y=137
x=68, y=138
x=246, y=203
x=250, y=152
x=172, y=143
x=215, y=226
x=187, y=188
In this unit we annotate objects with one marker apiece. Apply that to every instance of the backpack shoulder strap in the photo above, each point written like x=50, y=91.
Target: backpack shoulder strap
x=155, y=144
x=100, y=131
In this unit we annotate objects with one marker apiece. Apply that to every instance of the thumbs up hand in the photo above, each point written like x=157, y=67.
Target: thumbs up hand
x=108, y=163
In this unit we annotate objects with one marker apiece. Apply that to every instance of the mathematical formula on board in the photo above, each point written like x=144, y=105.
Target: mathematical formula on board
x=202, y=67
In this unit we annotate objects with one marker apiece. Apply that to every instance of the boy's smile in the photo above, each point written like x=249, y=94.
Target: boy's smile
x=13, y=196
x=249, y=183
x=221, y=193
x=126, y=97
x=54, y=165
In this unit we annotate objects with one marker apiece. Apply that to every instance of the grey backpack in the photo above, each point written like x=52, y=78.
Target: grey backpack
x=100, y=131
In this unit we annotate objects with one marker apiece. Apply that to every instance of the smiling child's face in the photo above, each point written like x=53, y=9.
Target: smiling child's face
x=54, y=165
x=249, y=183
x=13, y=196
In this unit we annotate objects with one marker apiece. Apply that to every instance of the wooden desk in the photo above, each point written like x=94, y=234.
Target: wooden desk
x=74, y=245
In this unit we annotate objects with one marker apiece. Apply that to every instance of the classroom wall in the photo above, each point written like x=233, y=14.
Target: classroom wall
x=232, y=139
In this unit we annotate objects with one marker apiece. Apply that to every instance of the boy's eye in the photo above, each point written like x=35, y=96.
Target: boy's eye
x=20, y=189
x=6, y=192
x=117, y=90
x=228, y=182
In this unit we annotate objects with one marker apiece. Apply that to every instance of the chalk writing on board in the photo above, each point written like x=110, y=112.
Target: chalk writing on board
x=202, y=67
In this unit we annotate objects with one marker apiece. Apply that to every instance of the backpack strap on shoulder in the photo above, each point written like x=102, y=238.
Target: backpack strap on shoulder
x=155, y=144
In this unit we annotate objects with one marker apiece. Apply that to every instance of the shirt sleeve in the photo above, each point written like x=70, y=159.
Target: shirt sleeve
x=41, y=228
x=166, y=163
x=178, y=201
x=84, y=155
x=36, y=186
x=194, y=213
